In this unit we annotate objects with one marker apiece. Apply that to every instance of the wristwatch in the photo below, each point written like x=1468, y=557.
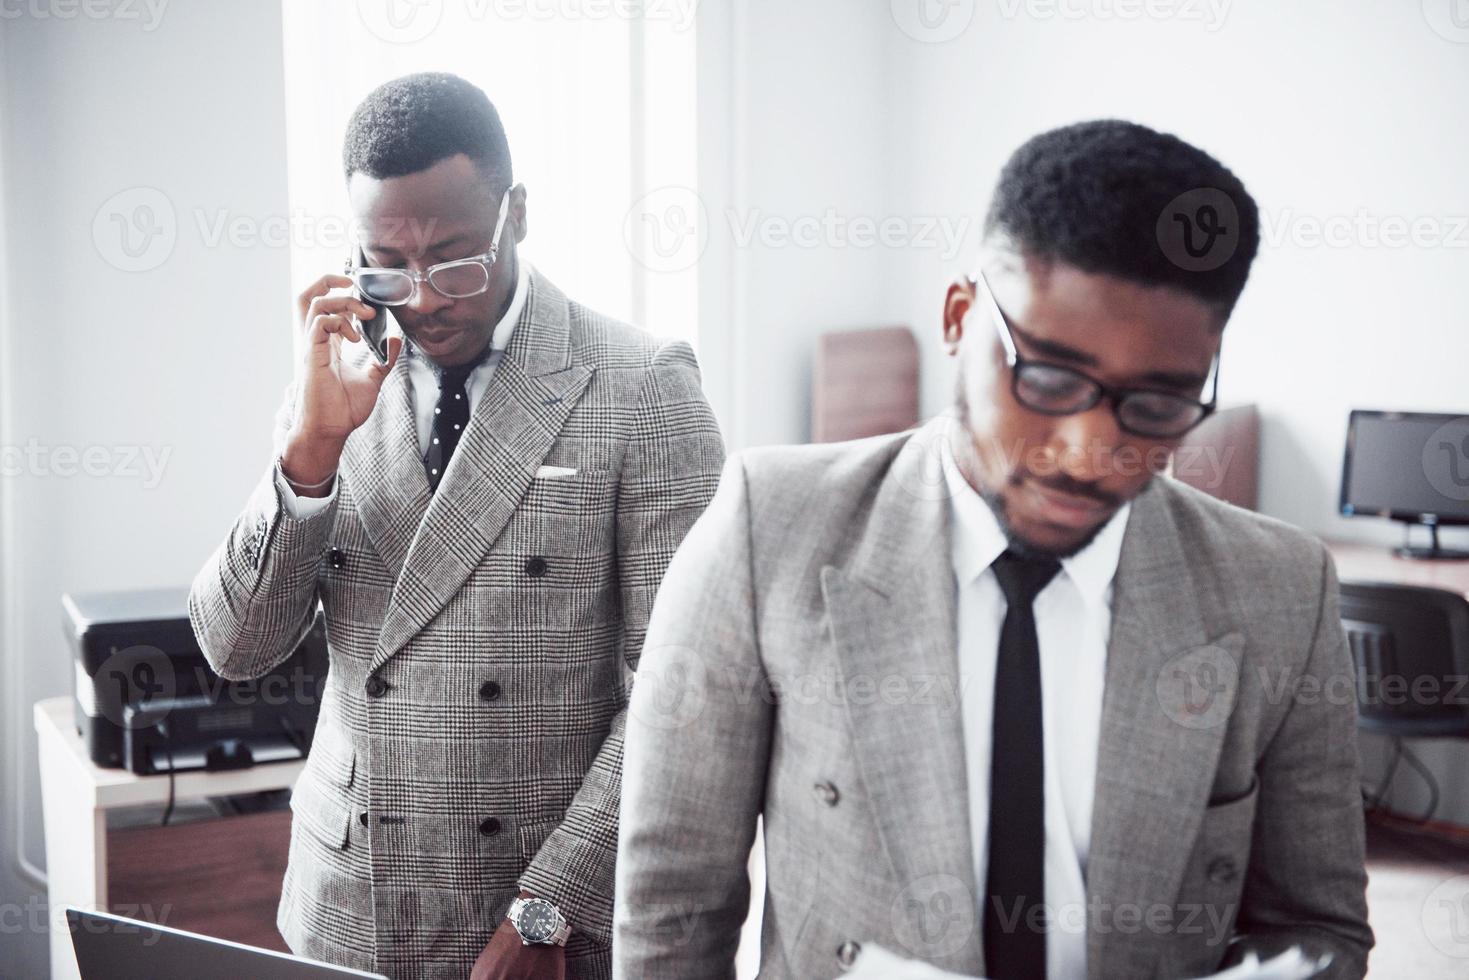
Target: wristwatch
x=538, y=922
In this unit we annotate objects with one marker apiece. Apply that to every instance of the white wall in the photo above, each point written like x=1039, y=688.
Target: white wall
x=1325, y=109
x=188, y=358
x=792, y=104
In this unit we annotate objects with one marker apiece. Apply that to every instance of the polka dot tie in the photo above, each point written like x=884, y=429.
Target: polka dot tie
x=451, y=415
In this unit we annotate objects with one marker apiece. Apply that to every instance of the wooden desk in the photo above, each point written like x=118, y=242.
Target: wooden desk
x=219, y=877
x=1362, y=563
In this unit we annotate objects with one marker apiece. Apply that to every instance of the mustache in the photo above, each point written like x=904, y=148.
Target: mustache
x=1061, y=483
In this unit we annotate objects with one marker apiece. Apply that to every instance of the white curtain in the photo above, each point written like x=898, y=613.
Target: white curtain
x=597, y=98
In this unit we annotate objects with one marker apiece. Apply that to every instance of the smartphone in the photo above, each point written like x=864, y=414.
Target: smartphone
x=374, y=331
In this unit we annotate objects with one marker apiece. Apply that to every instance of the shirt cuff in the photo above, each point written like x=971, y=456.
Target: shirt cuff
x=297, y=507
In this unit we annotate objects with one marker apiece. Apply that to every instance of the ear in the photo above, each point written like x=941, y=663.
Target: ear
x=957, y=304
x=517, y=211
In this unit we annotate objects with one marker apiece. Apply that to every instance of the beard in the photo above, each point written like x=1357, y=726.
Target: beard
x=995, y=499
x=1025, y=548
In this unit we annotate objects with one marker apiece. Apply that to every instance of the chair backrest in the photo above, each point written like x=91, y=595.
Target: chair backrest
x=1222, y=456
x=1411, y=648
x=864, y=383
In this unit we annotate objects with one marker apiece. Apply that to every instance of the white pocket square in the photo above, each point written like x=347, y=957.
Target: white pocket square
x=554, y=472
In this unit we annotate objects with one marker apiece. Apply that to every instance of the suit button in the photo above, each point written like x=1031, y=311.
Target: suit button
x=847, y=953
x=362, y=818
x=336, y=557
x=1222, y=871
x=489, y=691
x=535, y=567
x=376, y=686
x=826, y=793
x=489, y=826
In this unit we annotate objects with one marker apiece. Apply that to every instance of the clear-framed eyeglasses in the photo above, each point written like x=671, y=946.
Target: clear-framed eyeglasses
x=458, y=279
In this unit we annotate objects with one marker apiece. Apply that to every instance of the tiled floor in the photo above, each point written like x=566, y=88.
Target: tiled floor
x=1418, y=904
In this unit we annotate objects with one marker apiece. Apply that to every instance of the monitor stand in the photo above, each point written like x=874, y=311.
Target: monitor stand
x=1433, y=552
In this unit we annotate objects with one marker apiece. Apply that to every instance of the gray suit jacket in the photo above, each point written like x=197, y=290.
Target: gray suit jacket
x=800, y=667
x=501, y=612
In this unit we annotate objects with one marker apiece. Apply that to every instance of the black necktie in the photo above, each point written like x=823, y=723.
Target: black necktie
x=1013, y=948
x=451, y=415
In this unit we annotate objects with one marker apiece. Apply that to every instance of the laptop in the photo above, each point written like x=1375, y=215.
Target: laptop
x=110, y=947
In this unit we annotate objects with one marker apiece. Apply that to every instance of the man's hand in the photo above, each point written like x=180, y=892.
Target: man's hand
x=507, y=958
x=336, y=397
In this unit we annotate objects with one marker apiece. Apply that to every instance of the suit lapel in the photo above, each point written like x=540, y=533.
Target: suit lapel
x=383, y=471
x=510, y=432
x=1169, y=691
x=892, y=615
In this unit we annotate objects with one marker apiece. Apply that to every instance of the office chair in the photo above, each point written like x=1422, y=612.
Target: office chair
x=1410, y=645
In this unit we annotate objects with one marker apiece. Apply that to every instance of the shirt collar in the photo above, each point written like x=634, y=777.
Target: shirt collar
x=978, y=539
x=500, y=337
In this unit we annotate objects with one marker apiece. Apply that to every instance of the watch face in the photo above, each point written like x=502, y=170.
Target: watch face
x=537, y=921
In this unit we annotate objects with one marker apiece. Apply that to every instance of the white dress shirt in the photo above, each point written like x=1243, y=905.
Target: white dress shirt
x=1073, y=616
x=424, y=385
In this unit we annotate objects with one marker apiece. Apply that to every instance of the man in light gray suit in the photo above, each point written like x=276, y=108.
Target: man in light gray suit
x=1008, y=699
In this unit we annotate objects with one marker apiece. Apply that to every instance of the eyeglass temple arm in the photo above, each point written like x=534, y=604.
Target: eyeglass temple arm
x=500, y=222
x=1011, y=354
x=1214, y=374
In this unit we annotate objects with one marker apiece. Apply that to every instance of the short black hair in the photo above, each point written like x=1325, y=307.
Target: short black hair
x=413, y=122
x=1116, y=198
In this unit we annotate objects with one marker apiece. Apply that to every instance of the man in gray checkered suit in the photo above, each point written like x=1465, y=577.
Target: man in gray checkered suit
x=484, y=511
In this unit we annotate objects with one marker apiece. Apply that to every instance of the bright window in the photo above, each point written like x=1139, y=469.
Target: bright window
x=597, y=98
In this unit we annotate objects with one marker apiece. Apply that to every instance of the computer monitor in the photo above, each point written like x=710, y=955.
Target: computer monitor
x=1411, y=467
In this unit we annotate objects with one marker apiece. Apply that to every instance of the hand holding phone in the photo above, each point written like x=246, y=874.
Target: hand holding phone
x=374, y=331
x=335, y=394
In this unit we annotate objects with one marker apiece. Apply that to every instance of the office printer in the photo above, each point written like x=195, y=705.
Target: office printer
x=147, y=700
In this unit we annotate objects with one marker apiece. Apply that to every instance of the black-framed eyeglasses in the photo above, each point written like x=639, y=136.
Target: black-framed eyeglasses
x=1055, y=389
x=458, y=279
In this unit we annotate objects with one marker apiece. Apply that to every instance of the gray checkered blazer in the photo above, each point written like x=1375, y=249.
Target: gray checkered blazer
x=470, y=737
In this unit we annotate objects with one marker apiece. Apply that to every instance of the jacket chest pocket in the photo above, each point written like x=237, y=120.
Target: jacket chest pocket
x=567, y=514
